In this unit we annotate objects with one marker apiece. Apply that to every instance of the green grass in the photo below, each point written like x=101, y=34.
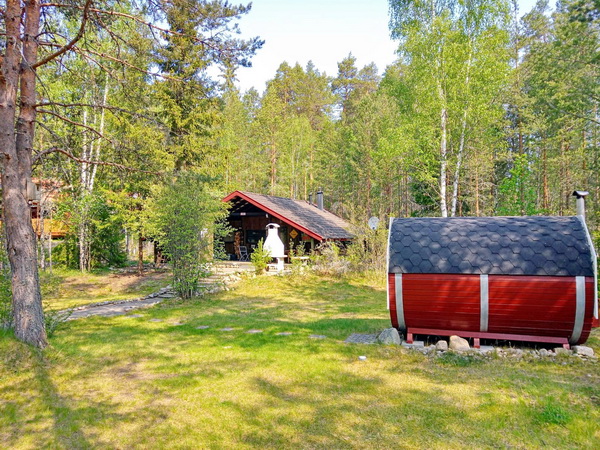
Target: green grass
x=66, y=288
x=131, y=383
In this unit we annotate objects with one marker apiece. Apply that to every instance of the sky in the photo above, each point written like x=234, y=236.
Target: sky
x=321, y=31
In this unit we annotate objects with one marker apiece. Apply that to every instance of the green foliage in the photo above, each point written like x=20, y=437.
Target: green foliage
x=182, y=214
x=50, y=283
x=295, y=254
x=328, y=260
x=54, y=319
x=517, y=191
x=260, y=258
x=368, y=250
x=104, y=227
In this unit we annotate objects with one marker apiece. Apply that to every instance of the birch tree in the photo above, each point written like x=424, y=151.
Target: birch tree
x=456, y=61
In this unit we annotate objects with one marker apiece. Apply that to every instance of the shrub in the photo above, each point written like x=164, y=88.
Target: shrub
x=327, y=260
x=55, y=319
x=296, y=252
x=181, y=216
x=368, y=251
x=260, y=258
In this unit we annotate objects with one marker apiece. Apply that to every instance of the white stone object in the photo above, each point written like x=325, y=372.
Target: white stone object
x=583, y=350
x=362, y=358
x=389, y=336
x=441, y=345
x=459, y=344
x=273, y=243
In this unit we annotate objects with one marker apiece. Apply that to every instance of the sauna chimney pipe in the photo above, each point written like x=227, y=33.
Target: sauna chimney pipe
x=310, y=198
x=320, y=198
x=580, y=202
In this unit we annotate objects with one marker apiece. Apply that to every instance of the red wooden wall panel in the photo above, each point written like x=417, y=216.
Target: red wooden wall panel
x=544, y=306
x=441, y=301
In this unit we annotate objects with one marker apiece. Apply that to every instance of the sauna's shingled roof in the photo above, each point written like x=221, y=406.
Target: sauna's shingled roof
x=552, y=246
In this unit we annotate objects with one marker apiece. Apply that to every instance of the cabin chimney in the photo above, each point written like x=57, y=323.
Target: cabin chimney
x=580, y=202
x=320, y=198
x=310, y=198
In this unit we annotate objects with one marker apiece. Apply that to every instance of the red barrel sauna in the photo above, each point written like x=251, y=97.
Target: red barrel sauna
x=514, y=278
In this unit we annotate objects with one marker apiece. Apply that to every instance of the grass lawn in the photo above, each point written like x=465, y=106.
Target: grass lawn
x=67, y=288
x=130, y=382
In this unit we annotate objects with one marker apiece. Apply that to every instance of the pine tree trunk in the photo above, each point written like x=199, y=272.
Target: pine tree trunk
x=16, y=148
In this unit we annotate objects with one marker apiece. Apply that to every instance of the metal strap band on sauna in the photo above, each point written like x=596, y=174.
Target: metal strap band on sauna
x=387, y=258
x=399, y=302
x=485, y=302
x=579, y=309
x=590, y=243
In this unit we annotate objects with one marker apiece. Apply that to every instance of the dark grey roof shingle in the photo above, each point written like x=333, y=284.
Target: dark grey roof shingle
x=554, y=246
x=322, y=222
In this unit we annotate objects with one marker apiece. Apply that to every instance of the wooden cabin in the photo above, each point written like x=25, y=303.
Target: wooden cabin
x=513, y=278
x=301, y=222
x=41, y=197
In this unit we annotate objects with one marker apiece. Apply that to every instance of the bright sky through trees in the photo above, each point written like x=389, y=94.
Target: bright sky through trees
x=323, y=31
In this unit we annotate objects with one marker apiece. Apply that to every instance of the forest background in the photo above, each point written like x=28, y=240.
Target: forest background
x=483, y=114
x=486, y=112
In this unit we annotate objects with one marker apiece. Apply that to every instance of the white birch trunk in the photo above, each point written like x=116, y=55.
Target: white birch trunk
x=96, y=154
x=459, y=158
x=443, y=151
x=461, y=145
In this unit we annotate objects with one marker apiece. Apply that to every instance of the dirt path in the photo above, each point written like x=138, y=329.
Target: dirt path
x=224, y=274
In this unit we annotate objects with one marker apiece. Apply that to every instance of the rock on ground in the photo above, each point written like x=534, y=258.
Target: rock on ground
x=562, y=351
x=583, y=350
x=441, y=345
x=459, y=344
x=389, y=336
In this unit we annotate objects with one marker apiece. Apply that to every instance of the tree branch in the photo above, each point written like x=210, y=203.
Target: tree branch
x=72, y=122
x=72, y=42
x=125, y=63
x=93, y=105
x=85, y=161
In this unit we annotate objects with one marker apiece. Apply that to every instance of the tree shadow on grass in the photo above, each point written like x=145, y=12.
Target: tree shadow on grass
x=69, y=416
x=338, y=412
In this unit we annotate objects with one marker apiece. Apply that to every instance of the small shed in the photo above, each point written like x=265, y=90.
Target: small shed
x=514, y=278
x=301, y=222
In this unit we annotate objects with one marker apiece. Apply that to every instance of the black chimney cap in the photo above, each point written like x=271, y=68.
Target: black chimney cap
x=580, y=194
